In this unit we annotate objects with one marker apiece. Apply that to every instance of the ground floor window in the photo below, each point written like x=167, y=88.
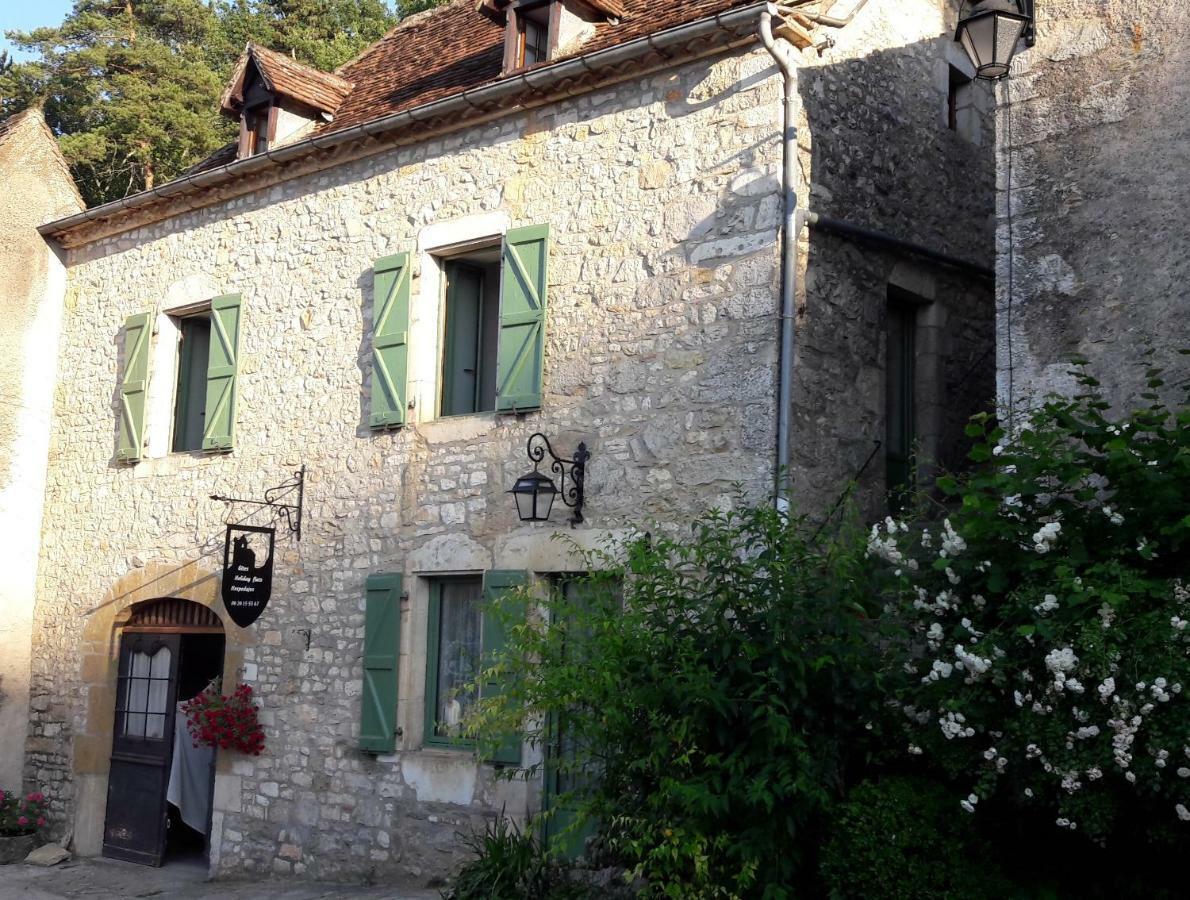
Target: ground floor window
x=453, y=658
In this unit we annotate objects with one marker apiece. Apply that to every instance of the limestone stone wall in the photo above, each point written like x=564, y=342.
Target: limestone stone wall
x=34, y=186
x=659, y=354
x=1092, y=159
x=662, y=197
x=877, y=152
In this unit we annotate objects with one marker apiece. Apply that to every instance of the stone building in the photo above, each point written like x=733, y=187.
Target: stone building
x=560, y=218
x=35, y=186
x=1093, y=148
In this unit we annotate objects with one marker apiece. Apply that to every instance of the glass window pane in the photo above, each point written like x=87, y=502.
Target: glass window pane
x=459, y=651
x=147, y=694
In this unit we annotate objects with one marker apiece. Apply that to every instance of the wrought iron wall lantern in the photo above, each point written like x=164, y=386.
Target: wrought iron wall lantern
x=991, y=31
x=535, y=491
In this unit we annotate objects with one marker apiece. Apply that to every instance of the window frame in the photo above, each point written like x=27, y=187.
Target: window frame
x=514, y=40
x=458, y=256
x=902, y=307
x=183, y=363
x=433, y=652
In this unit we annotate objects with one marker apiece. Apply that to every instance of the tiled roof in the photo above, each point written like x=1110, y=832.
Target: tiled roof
x=613, y=8
x=453, y=48
x=286, y=76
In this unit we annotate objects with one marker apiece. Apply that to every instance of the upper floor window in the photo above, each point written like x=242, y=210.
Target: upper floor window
x=532, y=33
x=256, y=129
x=190, y=399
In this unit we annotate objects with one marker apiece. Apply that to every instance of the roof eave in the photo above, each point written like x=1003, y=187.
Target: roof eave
x=737, y=25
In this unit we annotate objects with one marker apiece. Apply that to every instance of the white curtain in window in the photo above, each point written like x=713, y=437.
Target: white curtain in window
x=148, y=694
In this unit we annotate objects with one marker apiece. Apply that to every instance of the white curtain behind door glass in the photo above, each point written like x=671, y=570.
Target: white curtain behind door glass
x=148, y=694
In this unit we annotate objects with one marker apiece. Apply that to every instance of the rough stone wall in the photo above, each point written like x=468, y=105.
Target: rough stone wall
x=659, y=354
x=1094, y=127
x=877, y=152
x=661, y=351
x=34, y=186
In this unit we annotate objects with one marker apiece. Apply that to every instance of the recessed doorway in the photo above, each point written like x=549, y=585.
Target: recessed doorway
x=160, y=785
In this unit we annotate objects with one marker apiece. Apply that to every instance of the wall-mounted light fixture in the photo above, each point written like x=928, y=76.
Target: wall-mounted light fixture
x=535, y=491
x=990, y=32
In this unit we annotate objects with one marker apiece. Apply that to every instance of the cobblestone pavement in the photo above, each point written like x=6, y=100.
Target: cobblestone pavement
x=104, y=878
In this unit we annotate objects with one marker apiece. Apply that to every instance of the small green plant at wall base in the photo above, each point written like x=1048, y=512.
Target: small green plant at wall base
x=21, y=814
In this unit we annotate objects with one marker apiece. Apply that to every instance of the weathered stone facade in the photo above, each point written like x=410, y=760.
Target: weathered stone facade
x=1092, y=155
x=34, y=186
x=661, y=354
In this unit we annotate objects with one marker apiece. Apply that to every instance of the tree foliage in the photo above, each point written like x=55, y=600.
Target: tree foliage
x=131, y=87
x=987, y=696
x=721, y=684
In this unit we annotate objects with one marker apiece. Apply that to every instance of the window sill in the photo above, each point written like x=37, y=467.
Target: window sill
x=450, y=429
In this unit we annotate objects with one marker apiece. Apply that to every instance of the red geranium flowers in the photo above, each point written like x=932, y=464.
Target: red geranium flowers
x=229, y=723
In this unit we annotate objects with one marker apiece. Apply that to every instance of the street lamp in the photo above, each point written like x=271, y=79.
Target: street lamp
x=990, y=32
x=535, y=491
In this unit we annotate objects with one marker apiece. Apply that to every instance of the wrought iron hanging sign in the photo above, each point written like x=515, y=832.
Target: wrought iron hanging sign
x=247, y=572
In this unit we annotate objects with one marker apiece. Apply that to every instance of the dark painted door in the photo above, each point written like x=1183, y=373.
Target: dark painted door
x=142, y=741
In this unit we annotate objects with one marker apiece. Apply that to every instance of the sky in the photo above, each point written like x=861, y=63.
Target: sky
x=23, y=15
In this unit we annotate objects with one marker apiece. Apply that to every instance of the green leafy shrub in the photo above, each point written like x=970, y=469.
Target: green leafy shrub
x=899, y=838
x=1047, y=657
x=510, y=864
x=714, y=693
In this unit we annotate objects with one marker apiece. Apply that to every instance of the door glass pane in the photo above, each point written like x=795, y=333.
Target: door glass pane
x=459, y=651
x=146, y=695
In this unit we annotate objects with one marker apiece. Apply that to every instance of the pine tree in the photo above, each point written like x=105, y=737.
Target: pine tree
x=127, y=85
x=320, y=33
x=131, y=87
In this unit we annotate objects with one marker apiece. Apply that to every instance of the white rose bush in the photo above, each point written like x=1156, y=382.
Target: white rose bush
x=1046, y=653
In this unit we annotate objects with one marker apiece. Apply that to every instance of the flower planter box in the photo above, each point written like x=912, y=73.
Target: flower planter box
x=14, y=849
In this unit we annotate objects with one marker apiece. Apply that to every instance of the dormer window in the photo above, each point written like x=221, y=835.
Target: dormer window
x=532, y=32
x=256, y=129
x=278, y=100
x=537, y=31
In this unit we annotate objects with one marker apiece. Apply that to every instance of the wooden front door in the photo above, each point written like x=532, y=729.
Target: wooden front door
x=142, y=743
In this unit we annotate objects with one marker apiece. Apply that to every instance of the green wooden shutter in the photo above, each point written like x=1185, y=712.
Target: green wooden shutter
x=390, y=340
x=496, y=584
x=382, y=653
x=138, y=330
x=218, y=432
x=521, y=350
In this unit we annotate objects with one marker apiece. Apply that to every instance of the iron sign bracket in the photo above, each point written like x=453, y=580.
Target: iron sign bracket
x=290, y=512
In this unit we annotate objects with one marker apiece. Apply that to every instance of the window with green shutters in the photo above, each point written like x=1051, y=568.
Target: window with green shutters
x=520, y=354
x=222, y=367
x=381, y=660
x=390, y=340
x=134, y=384
x=464, y=635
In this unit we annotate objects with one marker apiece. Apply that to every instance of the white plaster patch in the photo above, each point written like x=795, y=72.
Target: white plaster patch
x=1053, y=273
x=450, y=553
x=444, y=777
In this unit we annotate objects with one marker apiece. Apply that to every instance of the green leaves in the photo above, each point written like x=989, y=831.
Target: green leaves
x=132, y=88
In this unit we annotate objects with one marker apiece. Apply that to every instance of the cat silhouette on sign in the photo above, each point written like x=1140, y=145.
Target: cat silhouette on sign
x=243, y=556
x=247, y=583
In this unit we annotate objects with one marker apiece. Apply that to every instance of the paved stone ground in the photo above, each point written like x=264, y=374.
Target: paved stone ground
x=104, y=878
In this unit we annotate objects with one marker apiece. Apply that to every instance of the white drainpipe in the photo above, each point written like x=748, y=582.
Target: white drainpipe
x=783, y=54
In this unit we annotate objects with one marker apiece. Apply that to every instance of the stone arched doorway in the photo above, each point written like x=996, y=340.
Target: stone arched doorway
x=160, y=785
x=148, y=601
